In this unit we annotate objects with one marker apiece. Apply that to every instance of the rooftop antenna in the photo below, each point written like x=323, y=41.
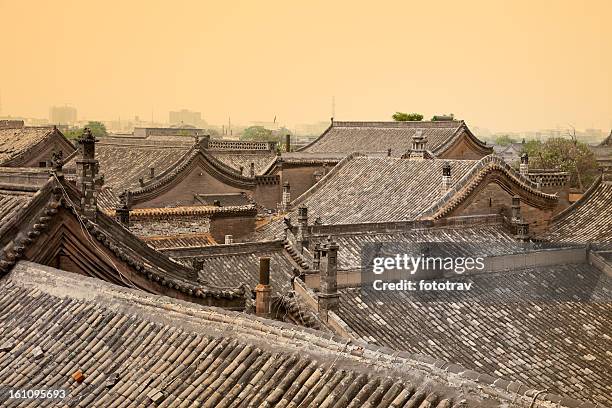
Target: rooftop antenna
x=333, y=115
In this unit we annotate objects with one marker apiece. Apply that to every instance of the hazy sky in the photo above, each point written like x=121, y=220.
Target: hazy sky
x=505, y=65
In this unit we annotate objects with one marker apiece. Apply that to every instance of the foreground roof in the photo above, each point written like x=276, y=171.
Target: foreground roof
x=588, y=219
x=134, y=348
x=547, y=327
x=378, y=137
x=40, y=222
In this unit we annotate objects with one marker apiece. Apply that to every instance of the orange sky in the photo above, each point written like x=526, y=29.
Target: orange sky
x=505, y=65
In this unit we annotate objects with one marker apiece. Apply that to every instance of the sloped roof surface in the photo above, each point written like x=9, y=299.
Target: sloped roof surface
x=588, y=219
x=366, y=189
x=511, y=325
x=132, y=347
x=378, y=137
x=16, y=141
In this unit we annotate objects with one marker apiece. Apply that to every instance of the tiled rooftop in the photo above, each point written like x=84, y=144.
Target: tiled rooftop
x=16, y=141
x=133, y=349
x=511, y=325
x=378, y=137
x=490, y=240
x=366, y=189
x=588, y=219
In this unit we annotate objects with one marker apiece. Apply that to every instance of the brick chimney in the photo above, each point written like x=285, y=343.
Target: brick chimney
x=286, y=199
x=389, y=152
x=302, y=236
x=419, y=143
x=524, y=166
x=263, y=291
x=522, y=231
x=88, y=180
x=241, y=170
x=446, y=177
x=152, y=172
x=316, y=259
x=252, y=169
x=515, y=216
x=328, y=297
x=287, y=142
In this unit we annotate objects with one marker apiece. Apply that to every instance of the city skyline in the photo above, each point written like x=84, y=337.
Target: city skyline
x=525, y=70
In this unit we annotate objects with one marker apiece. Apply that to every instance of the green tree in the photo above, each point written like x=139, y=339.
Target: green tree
x=97, y=129
x=504, y=140
x=257, y=133
x=406, y=117
x=566, y=155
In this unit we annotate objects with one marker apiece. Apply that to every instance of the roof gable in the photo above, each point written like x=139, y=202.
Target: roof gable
x=379, y=137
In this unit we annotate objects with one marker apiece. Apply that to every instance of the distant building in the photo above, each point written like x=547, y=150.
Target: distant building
x=62, y=114
x=186, y=117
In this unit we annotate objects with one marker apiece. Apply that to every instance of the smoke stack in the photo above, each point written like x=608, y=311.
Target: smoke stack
x=516, y=210
x=446, y=177
x=522, y=231
x=302, y=237
x=419, y=143
x=287, y=142
x=263, y=290
x=524, y=166
x=328, y=289
x=286, y=196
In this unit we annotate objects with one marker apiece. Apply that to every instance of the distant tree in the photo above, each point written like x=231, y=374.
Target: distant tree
x=436, y=118
x=97, y=129
x=406, y=117
x=505, y=140
x=566, y=155
x=257, y=133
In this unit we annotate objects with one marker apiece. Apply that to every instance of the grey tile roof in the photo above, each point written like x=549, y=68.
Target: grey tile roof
x=491, y=240
x=16, y=141
x=365, y=189
x=123, y=162
x=11, y=204
x=510, y=325
x=238, y=263
x=378, y=137
x=588, y=219
x=179, y=241
x=131, y=347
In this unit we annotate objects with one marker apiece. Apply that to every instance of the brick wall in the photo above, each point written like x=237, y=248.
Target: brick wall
x=493, y=199
x=198, y=181
x=301, y=178
x=237, y=225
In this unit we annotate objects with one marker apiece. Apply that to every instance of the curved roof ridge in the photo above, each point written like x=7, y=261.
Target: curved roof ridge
x=184, y=164
x=580, y=202
x=303, y=148
x=325, y=178
x=456, y=194
x=401, y=124
x=471, y=136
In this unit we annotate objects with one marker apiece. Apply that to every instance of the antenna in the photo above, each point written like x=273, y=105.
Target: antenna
x=333, y=115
